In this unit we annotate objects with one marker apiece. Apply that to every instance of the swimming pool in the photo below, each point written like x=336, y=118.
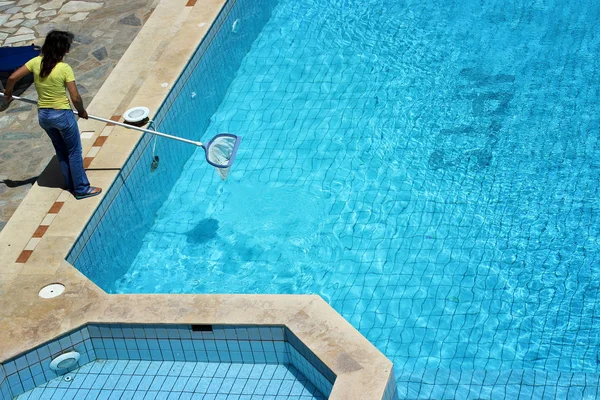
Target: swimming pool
x=135, y=361
x=430, y=171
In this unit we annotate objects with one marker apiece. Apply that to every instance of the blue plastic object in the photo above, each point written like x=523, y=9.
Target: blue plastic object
x=12, y=58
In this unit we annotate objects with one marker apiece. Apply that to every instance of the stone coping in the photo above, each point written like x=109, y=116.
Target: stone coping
x=34, y=243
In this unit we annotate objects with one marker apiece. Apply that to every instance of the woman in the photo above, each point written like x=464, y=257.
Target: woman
x=53, y=78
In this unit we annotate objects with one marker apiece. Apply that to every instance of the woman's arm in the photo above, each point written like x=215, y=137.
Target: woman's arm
x=13, y=79
x=76, y=99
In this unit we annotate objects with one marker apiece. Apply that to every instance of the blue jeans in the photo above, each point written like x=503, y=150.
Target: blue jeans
x=62, y=128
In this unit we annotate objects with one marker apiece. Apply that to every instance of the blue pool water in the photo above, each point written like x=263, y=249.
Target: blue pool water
x=430, y=169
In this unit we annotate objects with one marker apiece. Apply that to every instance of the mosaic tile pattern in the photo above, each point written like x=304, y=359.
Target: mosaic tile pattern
x=4, y=389
x=32, y=369
x=22, y=22
x=174, y=361
x=111, y=379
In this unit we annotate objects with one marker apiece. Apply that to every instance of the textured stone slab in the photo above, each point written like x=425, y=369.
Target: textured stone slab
x=131, y=20
x=83, y=39
x=17, y=16
x=6, y=3
x=29, y=8
x=4, y=18
x=43, y=29
x=24, y=31
x=100, y=54
x=80, y=16
x=12, y=24
x=30, y=23
x=80, y=6
x=3, y=35
x=13, y=10
x=47, y=13
x=20, y=135
x=53, y=5
x=32, y=15
x=19, y=38
x=25, y=2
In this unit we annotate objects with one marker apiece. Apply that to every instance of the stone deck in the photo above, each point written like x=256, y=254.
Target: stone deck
x=103, y=32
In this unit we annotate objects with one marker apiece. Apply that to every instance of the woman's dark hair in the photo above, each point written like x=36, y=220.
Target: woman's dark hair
x=56, y=45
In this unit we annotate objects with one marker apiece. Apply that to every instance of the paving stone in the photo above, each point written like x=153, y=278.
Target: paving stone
x=17, y=16
x=88, y=65
x=97, y=34
x=6, y=121
x=80, y=6
x=82, y=89
x=79, y=54
x=13, y=10
x=14, y=110
x=47, y=13
x=6, y=3
x=83, y=39
x=53, y=5
x=3, y=35
x=24, y=31
x=25, y=2
x=8, y=30
x=131, y=20
x=79, y=16
x=32, y=15
x=97, y=74
x=29, y=8
x=100, y=54
x=20, y=38
x=43, y=29
x=30, y=23
x=4, y=18
x=12, y=24
x=20, y=135
x=60, y=19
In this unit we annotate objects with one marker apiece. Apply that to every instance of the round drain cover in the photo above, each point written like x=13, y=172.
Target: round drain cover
x=52, y=290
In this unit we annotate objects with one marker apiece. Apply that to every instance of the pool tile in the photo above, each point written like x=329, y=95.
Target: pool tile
x=24, y=256
x=40, y=231
x=56, y=207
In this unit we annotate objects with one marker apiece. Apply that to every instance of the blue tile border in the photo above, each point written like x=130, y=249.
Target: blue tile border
x=305, y=352
x=391, y=392
x=265, y=345
x=5, y=393
x=174, y=155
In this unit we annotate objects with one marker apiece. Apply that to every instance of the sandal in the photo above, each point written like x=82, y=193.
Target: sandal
x=91, y=192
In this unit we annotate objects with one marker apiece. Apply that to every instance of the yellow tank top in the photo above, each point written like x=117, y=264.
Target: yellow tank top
x=52, y=90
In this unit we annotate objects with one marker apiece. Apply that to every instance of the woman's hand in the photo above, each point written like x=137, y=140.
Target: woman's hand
x=8, y=96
